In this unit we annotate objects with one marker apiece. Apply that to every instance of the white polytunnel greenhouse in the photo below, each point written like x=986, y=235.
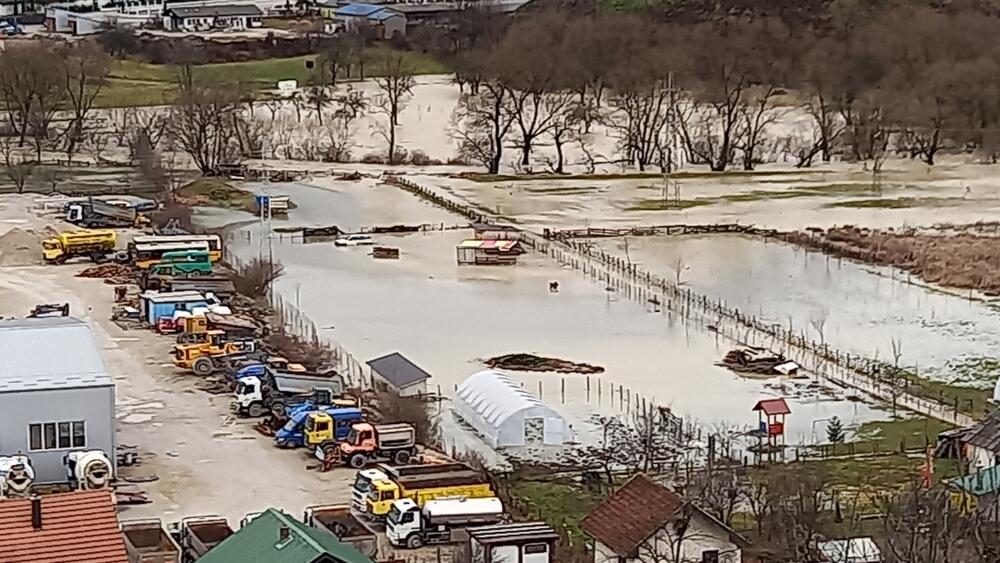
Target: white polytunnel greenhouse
x=506, y=415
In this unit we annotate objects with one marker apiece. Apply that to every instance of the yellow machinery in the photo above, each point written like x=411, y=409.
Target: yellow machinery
x=422, y=488
x=95, y=244
x=199, y=357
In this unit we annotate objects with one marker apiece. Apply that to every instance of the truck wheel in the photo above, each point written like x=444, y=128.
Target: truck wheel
x=61, y=259
x=279, y=410
x=358, y=461
x=97, y=257
x=202, y=367
x=414, y=542
x=257, y=410
x=402, y=457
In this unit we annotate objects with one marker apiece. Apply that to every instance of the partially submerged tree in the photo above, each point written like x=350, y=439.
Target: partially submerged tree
x=395, y=83
x=204, y=121
x=85, y=69
x=254, y=278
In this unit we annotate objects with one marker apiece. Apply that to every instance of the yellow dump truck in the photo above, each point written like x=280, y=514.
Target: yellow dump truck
x=98, y=245
x=422, y=488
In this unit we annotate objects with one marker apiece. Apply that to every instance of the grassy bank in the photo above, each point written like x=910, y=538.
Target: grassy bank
x=213, y=192
x=560, y=502
x=136, y=83
x=689, y=175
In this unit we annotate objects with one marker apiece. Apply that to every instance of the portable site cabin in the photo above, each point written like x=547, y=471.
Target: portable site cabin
x=488, y=252
x=506, y=415
x=400, y=374
x=490, y=231
x=153, y=304
x=524, y=542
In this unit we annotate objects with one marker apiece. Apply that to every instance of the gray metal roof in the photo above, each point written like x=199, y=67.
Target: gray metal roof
x=986, y=434
x=397, y=370
x=518, y=532
x=49, y=353
x=216, y=11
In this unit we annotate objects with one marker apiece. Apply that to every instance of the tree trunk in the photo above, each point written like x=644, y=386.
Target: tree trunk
x=392, y=141
x=526, y=152
x=559, y=154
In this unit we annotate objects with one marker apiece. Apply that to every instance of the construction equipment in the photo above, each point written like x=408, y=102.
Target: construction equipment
x=50, y=310
x=294, y=433
x=197, y=535
x=364, y=479
x=205, y=358
x=337, y=519
x=94, y=213
x=16, y=475
x=424, y=488
x=411, y=526
x=147, y=542
x=97, y=245
x=89, y=469
x=372, y=443
x=261, y=389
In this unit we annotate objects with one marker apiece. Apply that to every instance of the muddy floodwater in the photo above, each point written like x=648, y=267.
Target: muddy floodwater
x=857, y=308
x=446, y=318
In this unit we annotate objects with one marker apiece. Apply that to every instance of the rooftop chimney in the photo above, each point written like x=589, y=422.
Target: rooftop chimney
x=36, y=513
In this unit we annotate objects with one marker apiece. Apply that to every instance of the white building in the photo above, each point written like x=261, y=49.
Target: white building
x=60, y=20
x=981, y=443
x=638, y=523
x=204, y=18
x=853, y=550
x=501, y=411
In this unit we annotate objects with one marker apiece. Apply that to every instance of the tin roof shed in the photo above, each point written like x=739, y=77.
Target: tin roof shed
x=49, y=353
x=398, y=371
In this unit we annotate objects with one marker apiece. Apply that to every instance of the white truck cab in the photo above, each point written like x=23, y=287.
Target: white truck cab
x=362, y=484
x=248, y=394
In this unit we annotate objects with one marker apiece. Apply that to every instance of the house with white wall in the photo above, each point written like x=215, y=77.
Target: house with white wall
x=645, y=522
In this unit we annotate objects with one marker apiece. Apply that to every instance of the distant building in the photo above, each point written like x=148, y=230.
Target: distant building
x=16, y=7
x=386, y=22
x=275, y=536
x=60, y=20
x=400, y=374
x=204, y=18
x=55, y=394
x=488, y=252
x=981, y=443
x=81, y=527
x=638, y=523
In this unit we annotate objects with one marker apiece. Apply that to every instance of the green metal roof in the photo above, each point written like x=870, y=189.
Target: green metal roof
x=980, y=483
x=259, y=542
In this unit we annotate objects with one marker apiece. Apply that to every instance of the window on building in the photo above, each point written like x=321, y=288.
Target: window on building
x=711, y=556
x=536, y=548
x=57, y=435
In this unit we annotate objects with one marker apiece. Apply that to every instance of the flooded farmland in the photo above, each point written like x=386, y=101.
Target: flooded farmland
x=446, y=318
x=851, y=306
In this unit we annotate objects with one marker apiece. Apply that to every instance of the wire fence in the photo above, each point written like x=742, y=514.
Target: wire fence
x=900, y=386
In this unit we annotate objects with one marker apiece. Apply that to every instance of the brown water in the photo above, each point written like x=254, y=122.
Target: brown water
x=445, y=318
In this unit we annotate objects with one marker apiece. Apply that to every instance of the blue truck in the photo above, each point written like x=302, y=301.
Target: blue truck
x=293, y=435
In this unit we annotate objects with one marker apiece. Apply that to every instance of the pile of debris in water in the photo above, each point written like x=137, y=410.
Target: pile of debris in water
x=758, y=361
x=531, y=362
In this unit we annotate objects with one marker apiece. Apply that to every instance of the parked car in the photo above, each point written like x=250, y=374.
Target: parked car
x=354, y=240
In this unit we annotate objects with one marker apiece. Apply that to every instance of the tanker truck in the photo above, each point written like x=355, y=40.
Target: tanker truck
x=90, y=469
x=16, y=475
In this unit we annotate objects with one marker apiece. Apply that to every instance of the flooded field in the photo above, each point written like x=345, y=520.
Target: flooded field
x=780, y=198
x=446, y=318
x=850, y=306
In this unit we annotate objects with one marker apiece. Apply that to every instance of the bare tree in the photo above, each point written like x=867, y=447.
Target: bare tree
x=351, y=104
x=395, y=83
x=31, y=89
x=15, y=167
x=85, y=68
x=481, y=123
x=319, y=99
x=203, y=121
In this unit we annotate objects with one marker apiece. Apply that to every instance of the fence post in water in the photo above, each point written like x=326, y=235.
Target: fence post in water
x=588, y=389
x=563, y=389
x=539, y=388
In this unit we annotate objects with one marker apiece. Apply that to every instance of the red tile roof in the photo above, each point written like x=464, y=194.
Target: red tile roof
x=631, y=514
x=772, y=407
x=78, y=527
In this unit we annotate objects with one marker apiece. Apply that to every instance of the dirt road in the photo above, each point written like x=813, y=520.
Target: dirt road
x=206, y=461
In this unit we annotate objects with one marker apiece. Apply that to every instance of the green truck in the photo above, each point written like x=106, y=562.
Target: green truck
x=183, y=263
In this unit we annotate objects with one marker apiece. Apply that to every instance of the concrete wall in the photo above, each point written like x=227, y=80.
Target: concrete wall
x=702, y=536
x=94, y=405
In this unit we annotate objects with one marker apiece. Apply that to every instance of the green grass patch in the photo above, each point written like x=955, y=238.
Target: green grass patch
x=560, y=502
x=672, y=205
x=897, y=203
x=217, y=193
x=970, y=400
x=136, y=83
